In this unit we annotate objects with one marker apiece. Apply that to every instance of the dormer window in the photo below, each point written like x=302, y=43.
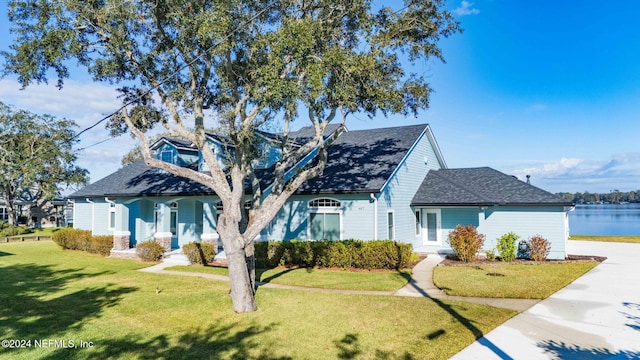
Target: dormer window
x=167, y=156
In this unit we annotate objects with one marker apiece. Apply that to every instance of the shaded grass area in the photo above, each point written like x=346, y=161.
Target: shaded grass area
x=501, y=280
x=606, y=238
x=319, y=278
x=47, y=293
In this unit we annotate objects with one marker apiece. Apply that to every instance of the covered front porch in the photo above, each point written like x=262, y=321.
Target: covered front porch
x=170, y=221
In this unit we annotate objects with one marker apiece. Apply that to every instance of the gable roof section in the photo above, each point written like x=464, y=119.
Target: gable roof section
x=177, y=143
x=480, y=186
x=138, y=179
x=361, y=161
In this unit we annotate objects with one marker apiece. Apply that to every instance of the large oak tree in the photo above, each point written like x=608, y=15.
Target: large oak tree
x=253, y=64
x=36, y=158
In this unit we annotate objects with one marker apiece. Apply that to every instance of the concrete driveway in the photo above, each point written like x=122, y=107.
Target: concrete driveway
x=595, y=317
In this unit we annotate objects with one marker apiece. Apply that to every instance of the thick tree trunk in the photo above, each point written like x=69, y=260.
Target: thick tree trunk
x=242, y=288
x=10, y=207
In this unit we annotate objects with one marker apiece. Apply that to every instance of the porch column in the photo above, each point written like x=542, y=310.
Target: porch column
x=209, y=224
x=163, y=230
x=121, y=235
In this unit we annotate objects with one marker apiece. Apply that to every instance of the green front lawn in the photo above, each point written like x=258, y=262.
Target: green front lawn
x=64, y=296
x=503, y=280
x=606, y=238
x=319, y=278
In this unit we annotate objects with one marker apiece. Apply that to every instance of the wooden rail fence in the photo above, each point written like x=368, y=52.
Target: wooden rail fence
x=25, y=238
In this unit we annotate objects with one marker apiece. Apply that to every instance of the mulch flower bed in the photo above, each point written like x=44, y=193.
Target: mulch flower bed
x=452, y=260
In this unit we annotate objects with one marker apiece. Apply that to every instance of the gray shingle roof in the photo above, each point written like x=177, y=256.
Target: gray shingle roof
x=358, y=161
x=479, y=186
x=306, y=133
x=138, y=179
x=363, y=160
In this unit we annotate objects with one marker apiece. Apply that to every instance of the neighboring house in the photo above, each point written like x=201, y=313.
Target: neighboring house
x=36, y=212
x=390, y=183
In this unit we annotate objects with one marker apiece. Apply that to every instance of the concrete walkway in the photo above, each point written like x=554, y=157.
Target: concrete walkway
x=595, y=317
x=420, y=285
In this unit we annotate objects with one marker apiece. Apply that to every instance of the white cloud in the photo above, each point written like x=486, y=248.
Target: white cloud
x=466, y=8
x=621, y=171
x=536, y=108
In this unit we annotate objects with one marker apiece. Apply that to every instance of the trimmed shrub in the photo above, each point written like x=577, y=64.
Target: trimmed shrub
x=199, y=252
x=101, y=244
x=466, y=242
x=379, y=254
x=507, y=247
x=149, y=251
x=73, y=239
x=539, y=248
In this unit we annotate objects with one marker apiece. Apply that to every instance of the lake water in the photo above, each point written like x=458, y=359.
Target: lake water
x=606, y=219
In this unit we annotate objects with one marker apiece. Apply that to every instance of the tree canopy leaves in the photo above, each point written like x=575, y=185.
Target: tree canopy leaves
x=249, y=63
x=35, y=155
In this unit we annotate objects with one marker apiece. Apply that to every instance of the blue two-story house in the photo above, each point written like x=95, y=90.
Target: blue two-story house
x=390, y=183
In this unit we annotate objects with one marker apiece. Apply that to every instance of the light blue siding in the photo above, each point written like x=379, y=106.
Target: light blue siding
x=92, y=216
x=452, y=217
x=82, y=215
x=525, y=221
x=549, y=222
x=402, y=186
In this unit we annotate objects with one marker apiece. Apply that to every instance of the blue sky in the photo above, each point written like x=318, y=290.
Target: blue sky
x=546, y=88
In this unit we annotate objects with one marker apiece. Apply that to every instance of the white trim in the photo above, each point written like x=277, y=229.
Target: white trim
x=324, y=206
x=158, y=235
x=375, y=216
x=209, y=236
x=122, y=233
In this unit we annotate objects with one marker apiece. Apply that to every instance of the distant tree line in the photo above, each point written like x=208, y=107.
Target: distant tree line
x=613, y=197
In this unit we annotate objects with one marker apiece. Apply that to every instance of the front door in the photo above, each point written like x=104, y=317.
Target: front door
x=431, y=223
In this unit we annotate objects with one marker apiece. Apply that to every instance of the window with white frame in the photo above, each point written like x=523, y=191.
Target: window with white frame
x=112, y=216
x=418, y=223
x=324, y=202
x=324, y=219
x=4, y=214
x=391, y=231
x=167, y=156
